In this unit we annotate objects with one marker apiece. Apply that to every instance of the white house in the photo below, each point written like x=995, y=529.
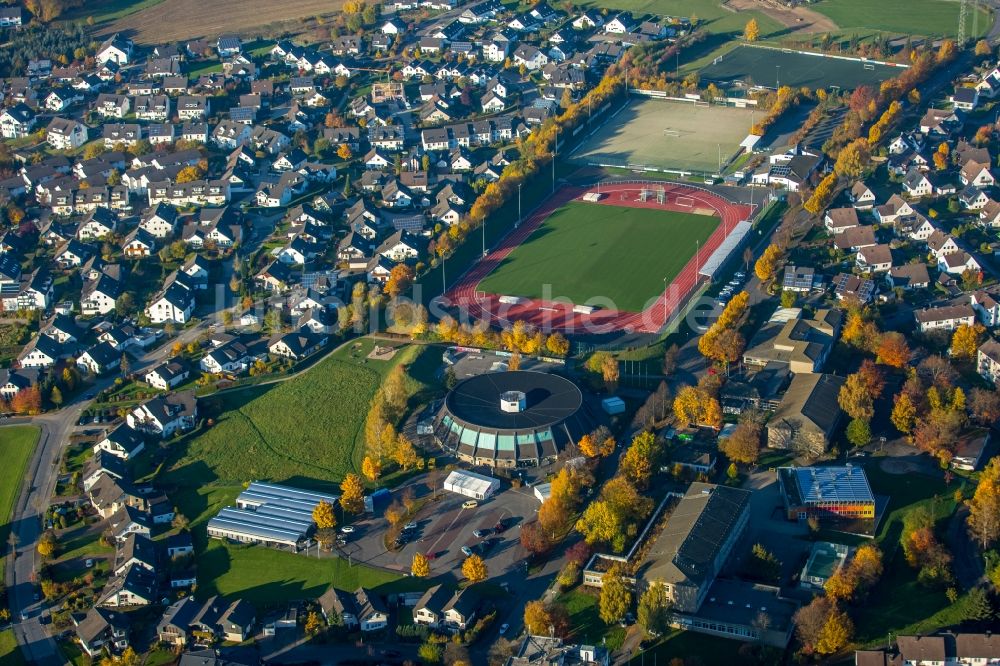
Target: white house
x=64, y=134
x=165, y=415
x=944, y=318
x=123, y=442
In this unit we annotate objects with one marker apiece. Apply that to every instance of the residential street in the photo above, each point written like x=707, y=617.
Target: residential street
x=39, y=485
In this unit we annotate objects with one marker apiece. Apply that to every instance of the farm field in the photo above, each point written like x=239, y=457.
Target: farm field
x=177, y=20
x=16, y=446
x=578, y=252
x=103, y=11
x=770, y=67
x=933, y=18
x=668, y=135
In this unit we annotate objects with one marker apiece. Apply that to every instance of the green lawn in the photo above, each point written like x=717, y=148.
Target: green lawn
x=268, y=577
x=914, y=17
x=16, y=445
x=679, y=644
x=308, y=432
x=10, y=654
x=899, y=603
x=585, y=251
x=310, y=427
x=585, y=619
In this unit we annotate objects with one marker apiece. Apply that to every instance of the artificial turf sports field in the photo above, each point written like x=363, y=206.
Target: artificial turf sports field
x=587, y=250
x=768, y=67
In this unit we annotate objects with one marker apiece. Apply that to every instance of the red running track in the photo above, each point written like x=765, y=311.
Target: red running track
x=559, y=315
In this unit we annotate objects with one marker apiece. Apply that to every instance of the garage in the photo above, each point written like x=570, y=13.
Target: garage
x=471, y=484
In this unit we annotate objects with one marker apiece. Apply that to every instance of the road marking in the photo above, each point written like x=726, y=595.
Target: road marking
x=458, y=515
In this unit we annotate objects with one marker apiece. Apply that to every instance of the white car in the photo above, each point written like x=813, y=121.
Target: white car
x=409, y=526
x=347, y=529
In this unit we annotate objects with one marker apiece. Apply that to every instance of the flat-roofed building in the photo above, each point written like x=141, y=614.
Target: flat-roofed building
x=790, y=339
x=825, y=559
x=471, y=484
x=833, y=493
x=693, y=546
x=269, y=514
x=742, y=611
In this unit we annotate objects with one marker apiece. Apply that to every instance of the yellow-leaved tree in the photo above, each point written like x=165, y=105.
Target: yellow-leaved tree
x=353, y=494
x=474, y=569
x=420, y=568
x=323, y=515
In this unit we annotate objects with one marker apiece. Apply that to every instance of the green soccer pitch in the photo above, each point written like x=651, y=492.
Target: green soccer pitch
x=587, y=250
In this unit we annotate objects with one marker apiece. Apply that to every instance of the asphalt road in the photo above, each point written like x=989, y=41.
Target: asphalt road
x=26, y=521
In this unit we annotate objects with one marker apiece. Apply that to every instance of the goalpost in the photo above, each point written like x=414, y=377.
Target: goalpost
x=661, y=196
x=671, y=132
x=869, y=66
x=644, y=194
x=701, y=104
x=687, y=202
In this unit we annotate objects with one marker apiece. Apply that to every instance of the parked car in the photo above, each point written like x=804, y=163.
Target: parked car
x=479, y=534
x=503, y=628
x=409, y=526
x=347, y=529
x=466, y=551
x=470, y=504
x=500, y=526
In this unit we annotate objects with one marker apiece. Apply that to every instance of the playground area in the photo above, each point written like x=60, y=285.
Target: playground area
x=666, y=135
x=771, y=67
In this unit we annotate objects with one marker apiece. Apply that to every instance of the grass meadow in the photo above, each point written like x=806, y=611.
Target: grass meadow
x=17, y=443
x=307, y=432
x=931, y=18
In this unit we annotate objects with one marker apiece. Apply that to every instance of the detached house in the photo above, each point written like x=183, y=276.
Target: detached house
x=988, y=361
x=99, y=359
x=167, y=375
x=976, y=174
x=116, y=49
x=838, y=220
x=944, y=318
x=16, y=121
x=165, y=415
x=102, y=629
x=123, y=442
x=876, y=258
x=64, y=134
x=297, y=345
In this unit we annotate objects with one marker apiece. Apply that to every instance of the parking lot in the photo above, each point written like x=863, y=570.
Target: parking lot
x=443, y=527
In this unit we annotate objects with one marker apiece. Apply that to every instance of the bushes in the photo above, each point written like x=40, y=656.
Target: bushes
x=412, y=633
